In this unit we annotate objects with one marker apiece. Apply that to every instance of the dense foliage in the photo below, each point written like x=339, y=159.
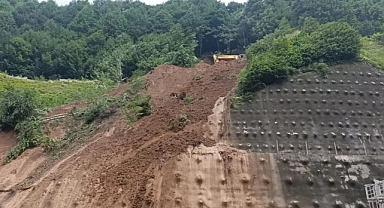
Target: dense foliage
x=284, y=53
x=18, y=112
x=111, y=39
x=100, y=109
x=15, y=106
x=30, y=135
x=373, y=50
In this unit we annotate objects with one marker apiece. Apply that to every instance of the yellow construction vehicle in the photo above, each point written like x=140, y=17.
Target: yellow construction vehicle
x=217, y=58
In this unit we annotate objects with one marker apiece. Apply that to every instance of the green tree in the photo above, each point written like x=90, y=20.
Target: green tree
x=16, y=105
x=5, y=6
x=85, y=21
x=114, y=24
x=310, y=25
x=16, y=57
x=277, y=56
x=7, y=22
x=336, y=41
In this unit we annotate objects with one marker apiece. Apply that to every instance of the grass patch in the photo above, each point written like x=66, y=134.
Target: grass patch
x=236, y=102
x=99, y=110
x=203, y=97
x=188, y=101
x=137, y=108
x=55, y=93
x=373, y=52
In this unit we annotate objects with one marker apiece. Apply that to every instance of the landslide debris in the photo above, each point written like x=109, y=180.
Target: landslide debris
x=117, y=168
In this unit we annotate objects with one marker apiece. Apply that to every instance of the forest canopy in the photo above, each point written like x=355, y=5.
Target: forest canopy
x=112, y=39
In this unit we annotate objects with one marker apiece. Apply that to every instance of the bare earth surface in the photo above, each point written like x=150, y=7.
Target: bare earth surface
x=148, y=165
x=7, y=141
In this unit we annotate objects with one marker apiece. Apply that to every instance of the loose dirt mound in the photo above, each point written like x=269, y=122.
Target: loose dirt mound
x=118, y=168
x=150, y=141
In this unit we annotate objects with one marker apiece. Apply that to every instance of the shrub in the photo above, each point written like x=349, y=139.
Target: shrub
x=266, y=69
x=16, y=105
x=188, y=101
x=373, y=52
x=136, y=84
x=98, y=110
x=321, y=68
x=335, y=42
x=178, y=123
x=379, y=38
x=137, y=108
x=30, y=134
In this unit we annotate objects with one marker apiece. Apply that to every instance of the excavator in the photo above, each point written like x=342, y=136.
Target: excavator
x=217, y=58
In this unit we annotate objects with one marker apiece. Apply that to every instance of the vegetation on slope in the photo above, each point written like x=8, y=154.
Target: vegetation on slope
x=279, y=55
x=55, y=93
x=373, y=50
x=18, y=111
x=84, y=122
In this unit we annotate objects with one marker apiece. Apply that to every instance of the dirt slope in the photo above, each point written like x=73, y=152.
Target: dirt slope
x=7, y=141
x=118, y=167
x=219, y=176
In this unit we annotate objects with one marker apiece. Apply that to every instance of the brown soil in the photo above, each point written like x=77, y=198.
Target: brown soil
x=209, y=60
x=118, y=168
x=150, y=141
x=118, y=91
x=219, y=176
x=7, y=141
x=56, y=129
x=66, y=108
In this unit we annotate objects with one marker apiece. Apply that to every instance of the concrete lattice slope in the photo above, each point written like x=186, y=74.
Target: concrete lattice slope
x=326, y=134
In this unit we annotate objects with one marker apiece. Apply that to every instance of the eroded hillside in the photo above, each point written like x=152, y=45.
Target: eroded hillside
x=306, y=142
x=118, y=167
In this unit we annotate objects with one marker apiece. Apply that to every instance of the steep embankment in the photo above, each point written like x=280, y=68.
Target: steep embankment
x=120, y=167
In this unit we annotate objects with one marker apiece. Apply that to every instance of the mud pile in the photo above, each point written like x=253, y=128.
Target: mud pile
x=125, y=166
